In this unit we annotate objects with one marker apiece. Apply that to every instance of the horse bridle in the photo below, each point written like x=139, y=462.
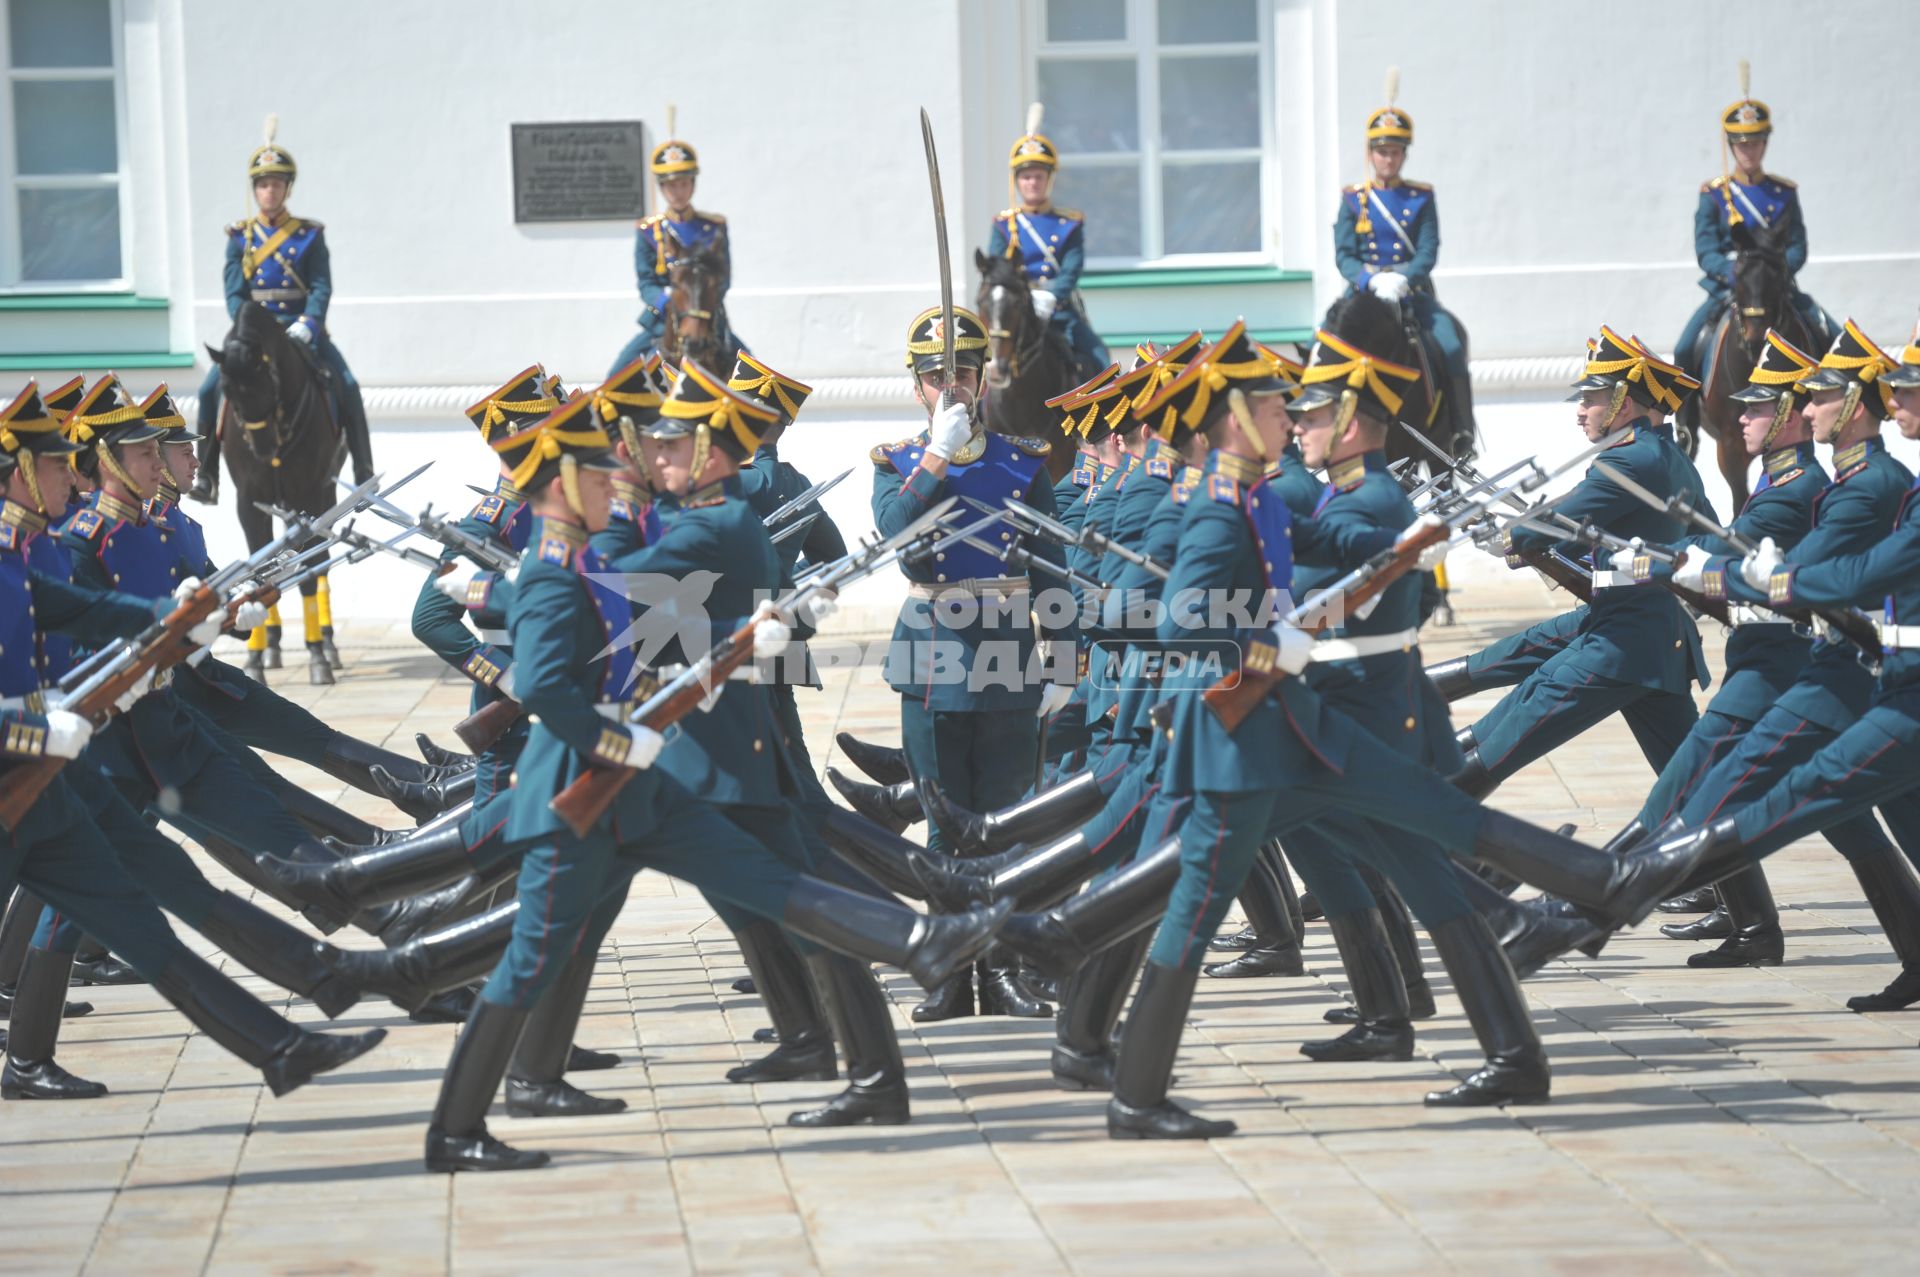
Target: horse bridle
x=276, y=417
x=998, y=298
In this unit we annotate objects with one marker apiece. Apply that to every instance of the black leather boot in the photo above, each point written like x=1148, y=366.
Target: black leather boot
x=1406, y=945
x=875, y=849
x=450, y=1007
x=321, y=818
x=892, y=807
x=1530, y=933
x=805, y=1052
x=350, y=759
x=1043, y=816
x=423, y=800
x=1083, y=1054
x=401, y=921
x=346, y=885
x=1624, y=888
x=22, y=919
x=929, y=947
x=1382, y=1030
x=1245, y=938
x=267, y=946
x=535, y=1085
x=1065, y=936
x=1894, y=896
x=287, y=1055
x=413, y=972
x=877, y=1090
x=1716, y=924
x=1756, y=939
x=1001, y=990
x=250, y=869
x=884, y=764
x=1140, y=1109
x=1516, y=1070
x=1701, y=900
x=438, y=757
x=1473, y=779
x=1254, y=963
x=1451, y=678
x=951, y=1001
x=30, y=1072
x=457, y=1138
x=582, y=1059
x=1032, y=878
x=1264, y=899
x=92, y=964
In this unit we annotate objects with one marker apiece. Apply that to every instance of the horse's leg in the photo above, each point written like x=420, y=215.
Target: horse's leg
x=324, y=593
x=257, y=526
x=319, y=671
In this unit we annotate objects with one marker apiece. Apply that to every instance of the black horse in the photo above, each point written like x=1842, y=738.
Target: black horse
x=1027, y=361
x=693, y=328
x=1762, y=299
x=1435, y=408
x=282, y=448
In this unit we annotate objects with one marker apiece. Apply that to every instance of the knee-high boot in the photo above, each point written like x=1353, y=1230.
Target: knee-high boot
x=1031, y=877
x=30, y=1072
x=874, y=849
x=1894, y=896
x=892, y=807
x=883, y=764
x=269, y=947
x=1382, y=1030
x=350, y=759
x=1623, y=888
x=1516, y=1069
x=1036, y=819
x=536, y=1085
x=876, y=1094
x=365, y=879
x=457, y=1138
x=779, y=974
x=16, y=937
x=929, y=947
x=1064, y=937
x=1756, y=939
x=1276, y=950
x=287, y=1055
x=1451, y=678
x=423, y=800
x=1083, y=1055
x=410, y=974
x=1140, y=1109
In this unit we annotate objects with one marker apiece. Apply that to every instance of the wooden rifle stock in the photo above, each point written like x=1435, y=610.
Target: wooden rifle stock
x=1237, y=694
x=21, y=786
x=582, y=803
x=1560, y=573
x=479, y=730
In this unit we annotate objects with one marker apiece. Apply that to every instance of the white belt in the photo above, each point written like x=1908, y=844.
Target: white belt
x=277, y=294
x=1894, y=638
x=1747, y=614
x=742, y=673
x=499, y=638
x=1352, y=649
x=969, y=585
x=1608, y=579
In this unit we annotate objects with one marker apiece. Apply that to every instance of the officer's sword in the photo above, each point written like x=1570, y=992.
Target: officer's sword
x=946, y=263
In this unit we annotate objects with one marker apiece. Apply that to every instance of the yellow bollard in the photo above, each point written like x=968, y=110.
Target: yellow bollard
x=1440, y=577
x=325, y=595
x=257, y=639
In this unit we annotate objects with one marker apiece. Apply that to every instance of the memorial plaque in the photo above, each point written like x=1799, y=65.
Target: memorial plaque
x=587, y=172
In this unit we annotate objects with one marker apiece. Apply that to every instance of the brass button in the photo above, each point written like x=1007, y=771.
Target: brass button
x=1410, y=723
x=757, y=746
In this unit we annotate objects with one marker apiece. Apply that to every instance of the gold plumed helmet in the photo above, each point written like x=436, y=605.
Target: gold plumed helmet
x=1389, y=123
x=270, y=159
x=1033, y=146
x=673, y=157
x=1749, y=117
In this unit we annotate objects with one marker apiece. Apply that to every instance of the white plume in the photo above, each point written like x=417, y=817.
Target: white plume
x=1035, y=113
x=1393, y=85
x=1746, y=79
x=673, y=114
x=273, y=126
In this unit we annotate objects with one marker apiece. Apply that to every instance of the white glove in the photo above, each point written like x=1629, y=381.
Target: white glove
x=504, y=684
x=250, y=615
x=184, y=591
x=1296, y=647
x=1389, y=286
x=821, y=606
x=204, y=634
x=454, y=585
x=1758, y=567
x=1622, y=560
x=140, y=688
x=67, y=734
x=1044, y=303
x=770, y=638
x=301, y=330
x=1053, y=698
x=1434, y=555
x=1690, y=572
x=644, y=746
x=952, y=427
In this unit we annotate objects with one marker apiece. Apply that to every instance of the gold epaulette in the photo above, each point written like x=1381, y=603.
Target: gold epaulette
x=643, y=223
x=882, y=453
x=1713, y=184
x=314, y=222
x=1418, y=186
x=237, y=228
x=715, y=218
x=1357, y=188
x=1784, y=181
x=1073, y=214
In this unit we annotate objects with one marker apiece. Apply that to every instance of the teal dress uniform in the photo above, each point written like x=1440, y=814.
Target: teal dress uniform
x=1396, y=228
x=287, y=269
x=658, y=241
x=1634, y=649
x=1051, y=246
x=967, y=703
x=1769, y=207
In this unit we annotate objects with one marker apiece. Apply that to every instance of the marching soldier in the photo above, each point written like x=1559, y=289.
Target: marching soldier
x=1743, y=205
x=281, y=262
x=1050, y=243
x=661, y=238
x=1386, y=241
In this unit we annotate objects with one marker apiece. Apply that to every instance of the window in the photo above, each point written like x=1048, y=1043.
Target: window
x=60, y=152
x=1159, y=110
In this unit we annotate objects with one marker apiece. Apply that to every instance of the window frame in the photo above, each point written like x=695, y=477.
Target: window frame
x=1141, y=42
x=12, y=227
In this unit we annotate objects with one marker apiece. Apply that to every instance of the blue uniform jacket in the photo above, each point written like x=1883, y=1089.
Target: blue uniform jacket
x=292, y=274
x=1635, y=634
x=1051, y=245
x=1378, y=249
x=1884, y=579
x=1772, y=201
x=926, y=639
x=658, y=240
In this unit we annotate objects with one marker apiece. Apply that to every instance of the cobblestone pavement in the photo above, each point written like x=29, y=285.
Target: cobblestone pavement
x=1703, y=1121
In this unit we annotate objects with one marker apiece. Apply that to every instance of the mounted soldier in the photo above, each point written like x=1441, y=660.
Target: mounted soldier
x=1049, y=242
x=1386, y=241
x=281, y=262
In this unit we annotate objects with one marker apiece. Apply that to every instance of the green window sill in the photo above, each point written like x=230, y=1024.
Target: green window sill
x=86, y=362
x=79, y=301
x=1192, y=276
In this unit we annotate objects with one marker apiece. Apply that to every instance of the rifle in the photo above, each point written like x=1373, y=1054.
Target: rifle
x=1236, y=694
x=1086, y=538
x=1596, y=535
x=581, y=804
x=1849, y=623
x=787, y=510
